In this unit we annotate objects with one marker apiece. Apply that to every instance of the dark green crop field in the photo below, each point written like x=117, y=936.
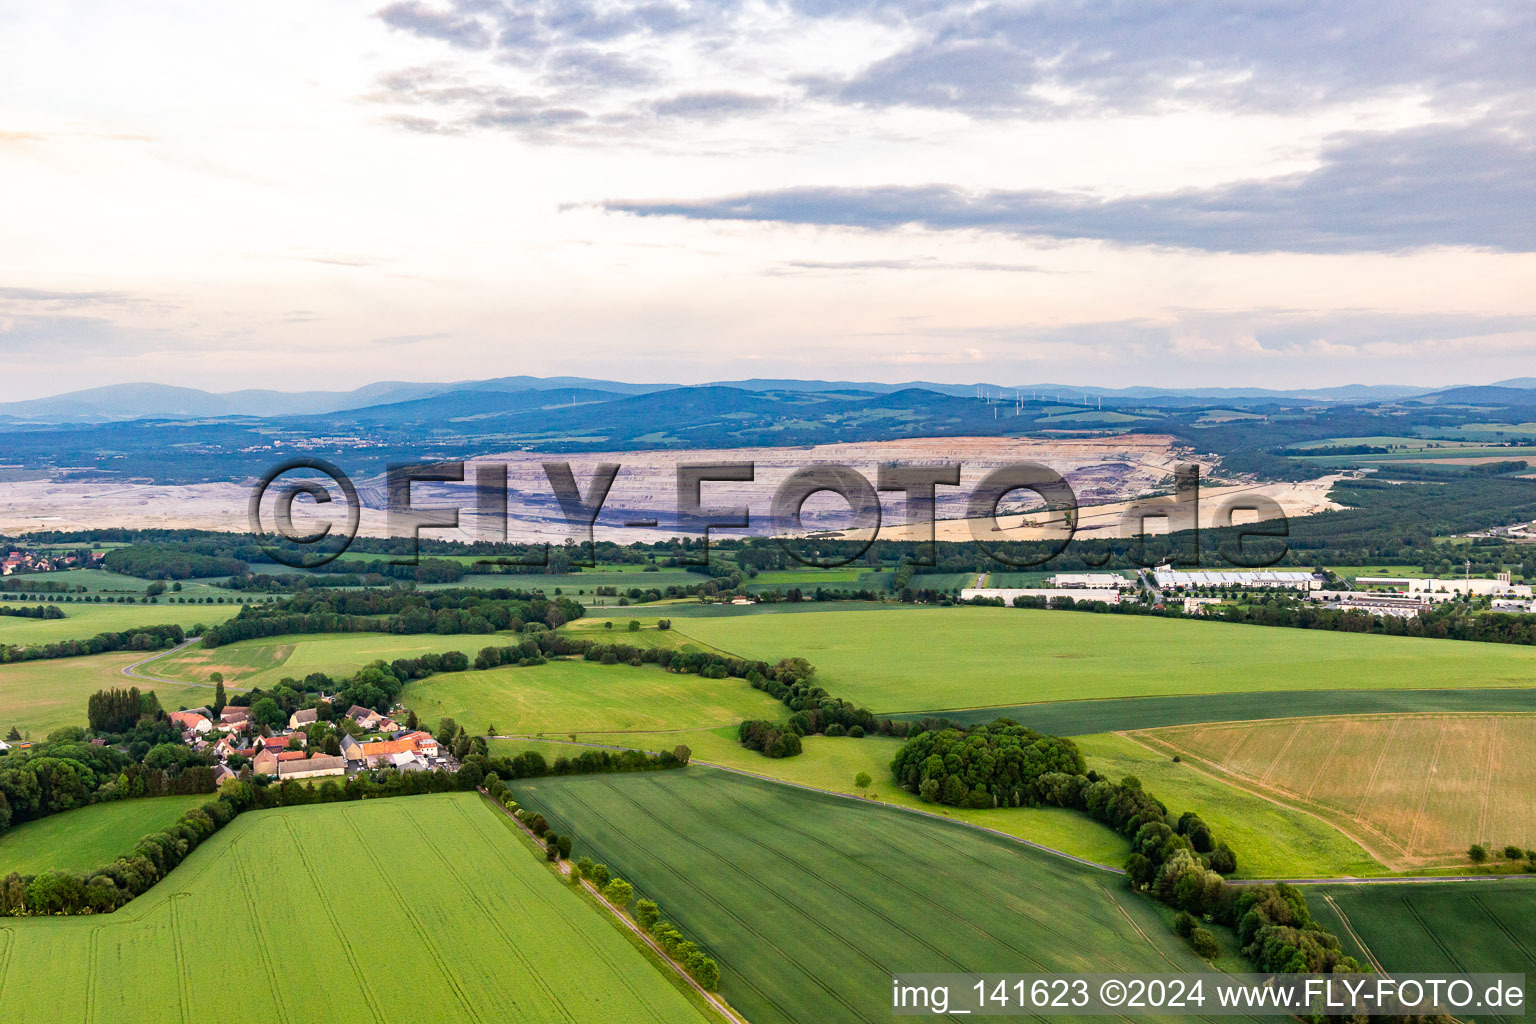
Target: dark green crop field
x=1481, y=927
x=1084, y=717
x=810, y=902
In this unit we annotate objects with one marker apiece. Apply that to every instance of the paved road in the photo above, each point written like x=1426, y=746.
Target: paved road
x=132, y=671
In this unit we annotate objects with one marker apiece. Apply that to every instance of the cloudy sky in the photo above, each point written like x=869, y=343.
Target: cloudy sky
x=1215, y=192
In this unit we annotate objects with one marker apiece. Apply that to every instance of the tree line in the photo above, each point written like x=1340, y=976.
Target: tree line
x=35, y=611
x=396, y=611
x=616, y=891
x=136, y=638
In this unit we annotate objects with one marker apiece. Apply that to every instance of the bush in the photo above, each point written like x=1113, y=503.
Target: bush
x=1185, y=924
x=647, y=913
x=1205, y=943
x=1513, y=852
x=855, y=731
x=599, y=874
x=1477, y=852
x=618, y=892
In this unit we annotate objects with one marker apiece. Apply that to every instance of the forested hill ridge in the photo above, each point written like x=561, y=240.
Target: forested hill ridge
x=164, y=436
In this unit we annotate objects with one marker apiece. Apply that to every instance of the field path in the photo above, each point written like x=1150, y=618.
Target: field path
x=1349, y=927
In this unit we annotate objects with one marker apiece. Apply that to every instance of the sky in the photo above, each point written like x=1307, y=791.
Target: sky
x=1286, y=193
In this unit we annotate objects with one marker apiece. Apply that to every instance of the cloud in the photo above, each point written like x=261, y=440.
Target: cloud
x=454, y=27
x=712, y=105
x=1433, y=186
x=1038, y=59
x=913, y=264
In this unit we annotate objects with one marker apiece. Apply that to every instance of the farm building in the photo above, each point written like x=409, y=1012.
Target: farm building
x=302, y=767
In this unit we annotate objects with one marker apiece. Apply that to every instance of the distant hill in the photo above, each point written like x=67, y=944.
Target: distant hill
x=144, y=400
x=1492, y=395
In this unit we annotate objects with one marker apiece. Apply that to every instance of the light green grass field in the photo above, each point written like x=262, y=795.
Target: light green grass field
x=40, y=696
x=832, y=764
x=809, y=902
x=582, y=696
x=417, y=908
x=105, y=581
x=920, y=659
x=85, y=839
x=83, y=621
x=264, y=661
x=1271, y=840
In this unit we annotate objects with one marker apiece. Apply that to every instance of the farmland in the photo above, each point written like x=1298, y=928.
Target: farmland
x=263, y=661
x=461, y=921
x=1271, y=840
x=1481, y=926
x=809, y=901
x=922, y=659
x=1079, y=717
x=85, y=839
x=583, y=696
x=40, y=696
x=83, y=621
x=1417, y=789
x=832, y=763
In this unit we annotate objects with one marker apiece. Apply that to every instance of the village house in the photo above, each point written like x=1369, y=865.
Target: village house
x=231, y=714
x=301, y=767
x=383, y=753
x=191, y=721
x=299, y=719
x=368, y=718
x=279, y=743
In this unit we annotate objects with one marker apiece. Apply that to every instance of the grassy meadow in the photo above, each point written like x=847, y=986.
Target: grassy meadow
x=85, y=839
x=450, y=916
x=1271, y=840
x=40, y=696
x=809, y=901
x=83, y=621
x=585, y=697
x=265, y=660
x=1419, y=789
x=923, y=659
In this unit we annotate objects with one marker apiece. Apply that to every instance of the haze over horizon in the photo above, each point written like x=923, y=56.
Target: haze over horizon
x=1166, y=195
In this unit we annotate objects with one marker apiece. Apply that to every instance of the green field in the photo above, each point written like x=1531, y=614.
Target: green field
x=262, y=662
x=1272, y=841
x=417, y=908
x=809, y=901
x=104, y=581
x=584, y=696
x=832, y=763
x=85, y=839
x=1425, y=928
x=1079, y=717
x=919, y=659
x=83, y=621
x=40, y=696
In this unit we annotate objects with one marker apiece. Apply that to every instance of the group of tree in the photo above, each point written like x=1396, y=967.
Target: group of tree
x=32, y=611
x=1002, y=764
x=170, y=562
x=813, y=710
x=67, y=772
x=396, y=611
